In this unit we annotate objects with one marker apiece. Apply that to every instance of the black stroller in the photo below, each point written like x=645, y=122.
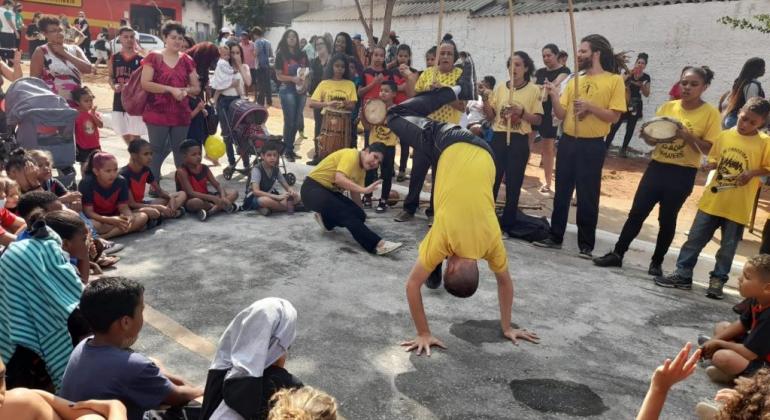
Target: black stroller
x=249, y=134
x=44, y=121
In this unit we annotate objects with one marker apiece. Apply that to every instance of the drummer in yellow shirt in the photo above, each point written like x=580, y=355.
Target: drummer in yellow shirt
x=670, y=177
x=382, y=134
x=740, y=156
x=515, y=113
x=344, y=170
x=466, y=227
x=580, y=157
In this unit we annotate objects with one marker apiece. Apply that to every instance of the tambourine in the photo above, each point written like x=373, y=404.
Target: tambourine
x=661, y=129
x=375, y=111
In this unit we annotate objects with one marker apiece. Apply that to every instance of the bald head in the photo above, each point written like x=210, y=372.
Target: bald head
x=461, y=277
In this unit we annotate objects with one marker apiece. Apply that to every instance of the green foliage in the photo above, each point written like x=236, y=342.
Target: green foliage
x=760, y=23
x=247, y=13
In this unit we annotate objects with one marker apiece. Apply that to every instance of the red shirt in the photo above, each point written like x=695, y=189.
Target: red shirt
x=369, y=75
x=163, y=109
x=6, y=220
x=198, y=181
x=137, y=181
x=86, y=131
x=676, y=91
x=400, y=80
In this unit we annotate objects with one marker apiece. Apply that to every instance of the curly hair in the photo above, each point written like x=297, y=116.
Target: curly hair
x=754, y=400
x=761, y=263
x=306, y=403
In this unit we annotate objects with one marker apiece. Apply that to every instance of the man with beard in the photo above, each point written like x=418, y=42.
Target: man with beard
x=587, y=120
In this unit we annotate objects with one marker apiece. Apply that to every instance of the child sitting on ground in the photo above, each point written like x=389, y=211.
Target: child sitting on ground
x=105, y=198
x=740, y=156
x=138, y=175
x=742, y=347
x=87, y=125
x=382, y=134
x=44, y=161
x=10, y=224
x=305, y=403
x=194, y=179
x=264, y=197
x=113, y=307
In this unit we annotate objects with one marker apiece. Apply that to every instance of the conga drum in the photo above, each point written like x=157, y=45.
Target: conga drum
x=375, y=111
x=335, y=131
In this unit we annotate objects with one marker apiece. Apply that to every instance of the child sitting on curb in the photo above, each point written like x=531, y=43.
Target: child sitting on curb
x=194, y=179
x=264, y=197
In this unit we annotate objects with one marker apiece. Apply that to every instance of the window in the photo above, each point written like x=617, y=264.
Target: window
x=146, y=39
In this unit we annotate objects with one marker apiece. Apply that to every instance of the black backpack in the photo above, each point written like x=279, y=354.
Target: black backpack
x=529, y=228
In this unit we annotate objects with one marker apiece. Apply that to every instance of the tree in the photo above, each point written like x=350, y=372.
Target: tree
x=760, y=23
x=386, y=19
x=247, y=13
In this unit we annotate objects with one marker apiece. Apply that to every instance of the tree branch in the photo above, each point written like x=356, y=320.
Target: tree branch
x=361, y=17
x=389, y=6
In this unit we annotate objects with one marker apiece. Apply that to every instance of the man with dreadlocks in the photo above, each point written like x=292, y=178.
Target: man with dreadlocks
x=587, y=118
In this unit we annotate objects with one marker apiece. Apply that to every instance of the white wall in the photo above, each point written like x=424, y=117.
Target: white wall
x=674, y=36
x=195, y=11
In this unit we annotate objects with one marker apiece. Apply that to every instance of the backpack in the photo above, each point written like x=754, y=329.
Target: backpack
x=529, y=228
x=134, y=97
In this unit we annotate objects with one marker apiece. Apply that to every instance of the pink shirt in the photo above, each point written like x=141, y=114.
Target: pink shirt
x=249, y=54
x=163, y=109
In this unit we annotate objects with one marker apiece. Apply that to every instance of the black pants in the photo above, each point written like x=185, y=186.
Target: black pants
x=630, y=126
x=510, y=160
x=578, y=167
x=264, y=92
x=386, y=170
x=428, y=137
x=764, y=247
x=338, y=210
x=665, y=184
x=404, y=158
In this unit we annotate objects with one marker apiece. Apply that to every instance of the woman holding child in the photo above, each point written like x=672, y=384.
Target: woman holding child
x=231, y=78
x=168, y=76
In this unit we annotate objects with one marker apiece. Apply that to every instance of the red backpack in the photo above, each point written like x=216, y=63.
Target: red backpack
x=134, y=97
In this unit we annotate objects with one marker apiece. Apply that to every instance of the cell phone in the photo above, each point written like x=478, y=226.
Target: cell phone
x=7, y=53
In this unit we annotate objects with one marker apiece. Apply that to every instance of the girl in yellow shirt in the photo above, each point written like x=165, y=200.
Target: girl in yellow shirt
x=336, y=91
x=516, y=115
x=669, y=179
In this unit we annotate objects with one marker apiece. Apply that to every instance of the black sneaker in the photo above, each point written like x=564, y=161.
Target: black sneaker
x=674, y=281
x=313, y=162
x=610, y=259
x=702, y=338
x=404, y=216
x=467, y=89
x=367, y=201
x=655, y=270
x=401, y=177
x=585, y=254
x=289, y=157
x=742, y=307
x=382, y=206
x=715, y=289
x=547, y=243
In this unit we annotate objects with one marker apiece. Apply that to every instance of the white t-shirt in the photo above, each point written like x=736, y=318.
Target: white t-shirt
x=7, y=19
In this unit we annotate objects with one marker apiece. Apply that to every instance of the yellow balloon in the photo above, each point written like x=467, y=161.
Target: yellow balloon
x=215, y=146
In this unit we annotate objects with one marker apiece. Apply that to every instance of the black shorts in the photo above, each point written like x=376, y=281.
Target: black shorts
x=546, y=128
x=82, y=154
x=754, y=366
x=7, y=40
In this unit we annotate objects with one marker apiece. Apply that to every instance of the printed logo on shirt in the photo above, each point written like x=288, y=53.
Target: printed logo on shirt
x=89, y=127
x=336, y=95
x=734, y=162
x=675, y=149
x=588, y=86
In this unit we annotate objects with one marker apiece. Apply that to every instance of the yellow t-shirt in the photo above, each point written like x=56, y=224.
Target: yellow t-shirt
x=465, y=223
x=446, y=113
x=382, y=134
x=527, y=97
x=703, y=122
x=343, y=160
x=606, y=90
x=335, y=90
x=735, y=154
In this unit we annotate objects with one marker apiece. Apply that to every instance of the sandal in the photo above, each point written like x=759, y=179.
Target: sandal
x=106, y=262
x=180, y=212
x=545, y=189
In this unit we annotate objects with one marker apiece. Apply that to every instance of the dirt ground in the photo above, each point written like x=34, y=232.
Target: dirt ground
x=619, y=181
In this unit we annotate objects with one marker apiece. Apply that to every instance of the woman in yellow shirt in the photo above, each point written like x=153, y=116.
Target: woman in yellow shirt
x=670, y=177
x=446, y=75
x=336, y=91
x=515, y=115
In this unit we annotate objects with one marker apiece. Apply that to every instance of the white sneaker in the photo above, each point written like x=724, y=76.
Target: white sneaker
x=707, y=410
x=718, y=376
x=387, y=247
x=264, y=211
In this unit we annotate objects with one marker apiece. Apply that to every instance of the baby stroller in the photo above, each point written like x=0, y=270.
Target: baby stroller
x=44, y=121
x=249, y=134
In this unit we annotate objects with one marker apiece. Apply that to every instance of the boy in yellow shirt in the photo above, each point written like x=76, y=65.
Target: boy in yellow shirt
x=740, y=156
x=465, y=227
x=382, y=134
x=344, y=170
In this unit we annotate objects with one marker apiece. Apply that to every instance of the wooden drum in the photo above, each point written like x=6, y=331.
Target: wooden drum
x=335, y=132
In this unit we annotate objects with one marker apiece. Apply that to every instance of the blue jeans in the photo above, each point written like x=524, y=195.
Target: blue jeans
x=701, y=232
x=292, y=105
